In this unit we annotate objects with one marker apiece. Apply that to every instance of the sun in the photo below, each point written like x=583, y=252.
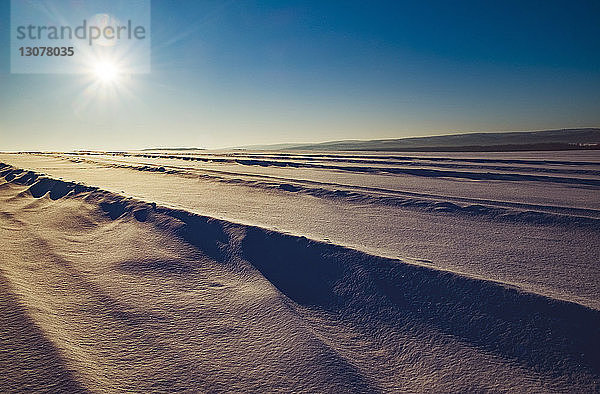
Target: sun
x=106, y=82
x=106, y=71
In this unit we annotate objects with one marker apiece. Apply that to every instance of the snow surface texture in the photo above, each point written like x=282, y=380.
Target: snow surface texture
x=104, y=292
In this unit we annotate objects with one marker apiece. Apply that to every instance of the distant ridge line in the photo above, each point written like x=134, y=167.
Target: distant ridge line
x=151, y=149
x=542, y=140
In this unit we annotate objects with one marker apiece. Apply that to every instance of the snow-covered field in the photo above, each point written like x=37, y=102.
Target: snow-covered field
x=300, y=271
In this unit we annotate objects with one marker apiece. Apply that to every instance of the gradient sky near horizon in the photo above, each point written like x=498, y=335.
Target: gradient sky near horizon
x=232, y=73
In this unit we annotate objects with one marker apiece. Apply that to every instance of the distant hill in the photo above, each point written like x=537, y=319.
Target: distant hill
x=564, y=139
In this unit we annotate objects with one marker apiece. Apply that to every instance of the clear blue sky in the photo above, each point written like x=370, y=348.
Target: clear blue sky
x=230, y=73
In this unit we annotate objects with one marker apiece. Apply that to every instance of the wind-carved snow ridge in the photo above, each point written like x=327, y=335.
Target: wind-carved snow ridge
x=377, y=296
x=486, y=209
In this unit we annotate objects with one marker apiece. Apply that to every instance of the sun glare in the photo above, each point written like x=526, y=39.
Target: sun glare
x=106, y=72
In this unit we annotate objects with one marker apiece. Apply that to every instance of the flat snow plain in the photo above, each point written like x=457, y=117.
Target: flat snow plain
x=301, y=271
